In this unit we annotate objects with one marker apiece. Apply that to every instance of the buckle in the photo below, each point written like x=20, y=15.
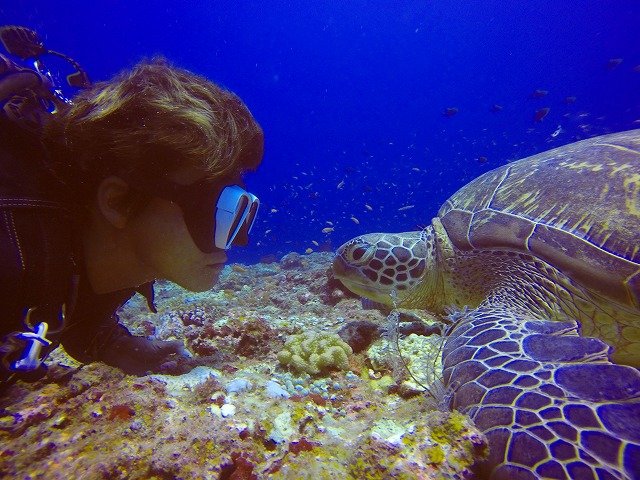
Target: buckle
x=34, y=342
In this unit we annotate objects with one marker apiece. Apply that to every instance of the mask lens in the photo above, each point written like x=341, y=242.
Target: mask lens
x=253, y=212
x=235, y=209
x=238, y=219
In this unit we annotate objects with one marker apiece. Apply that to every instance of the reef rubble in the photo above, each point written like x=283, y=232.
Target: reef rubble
x=233, y=411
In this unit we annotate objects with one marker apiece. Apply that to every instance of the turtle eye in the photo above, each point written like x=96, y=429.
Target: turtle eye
x=360, y=253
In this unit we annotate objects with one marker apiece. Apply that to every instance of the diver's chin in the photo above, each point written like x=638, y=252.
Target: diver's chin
x=204, y=282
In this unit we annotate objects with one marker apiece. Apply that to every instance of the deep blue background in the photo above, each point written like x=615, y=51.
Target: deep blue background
x=353, y=91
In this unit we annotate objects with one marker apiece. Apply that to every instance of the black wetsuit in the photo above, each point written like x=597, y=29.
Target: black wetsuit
x=40, y=258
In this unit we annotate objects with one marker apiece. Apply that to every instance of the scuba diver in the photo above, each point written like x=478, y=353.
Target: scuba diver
x=135, y=179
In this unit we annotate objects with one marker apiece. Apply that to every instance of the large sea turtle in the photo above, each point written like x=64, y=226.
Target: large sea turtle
x=545, y=253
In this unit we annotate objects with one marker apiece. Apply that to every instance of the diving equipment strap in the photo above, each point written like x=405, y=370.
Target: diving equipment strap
x=30, y=359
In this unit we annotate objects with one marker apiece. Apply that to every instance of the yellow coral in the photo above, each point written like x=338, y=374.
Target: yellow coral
x=314, y=352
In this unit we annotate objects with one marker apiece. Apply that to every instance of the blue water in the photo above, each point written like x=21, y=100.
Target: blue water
x=351, y=93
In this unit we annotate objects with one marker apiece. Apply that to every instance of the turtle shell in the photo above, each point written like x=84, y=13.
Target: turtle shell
x=576, y=207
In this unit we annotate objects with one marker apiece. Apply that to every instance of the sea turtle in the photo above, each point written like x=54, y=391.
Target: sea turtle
x=541, y=257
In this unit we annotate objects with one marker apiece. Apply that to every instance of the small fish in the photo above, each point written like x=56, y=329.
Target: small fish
x=482, y=160
x=569, y=100
x=496, y=108
x=239, y=268
x=315, y=243
x=327, y=230
x=328, y=222
x=406, y=207
x=539, y=93
x=274, y=210
x=416, y=169
x=540, y=114
x=341, y=185
x=355, y=220
x=308, y=250
x=636, y=69
x=368, y=207
x=449, y=112
x=557, y=132
x=613, y=63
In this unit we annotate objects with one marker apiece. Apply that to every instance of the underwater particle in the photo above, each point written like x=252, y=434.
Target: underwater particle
x=315, y=352
x=540, y=114
x=613, y=63
x=569, y=100
x=355, y=220
x=482, y=160
x=327, y=230
x=539, y=94
x=449, y=112
x=495, y=108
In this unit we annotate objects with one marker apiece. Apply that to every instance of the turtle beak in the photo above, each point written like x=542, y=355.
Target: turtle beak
x=339, y=267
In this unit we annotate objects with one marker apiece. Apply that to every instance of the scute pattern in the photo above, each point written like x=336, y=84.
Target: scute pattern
x=556, y=423
x=577, y=207
x=393, y=261
x=547, y=250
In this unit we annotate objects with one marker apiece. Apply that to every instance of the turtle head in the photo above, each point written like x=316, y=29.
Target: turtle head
x=385, y=267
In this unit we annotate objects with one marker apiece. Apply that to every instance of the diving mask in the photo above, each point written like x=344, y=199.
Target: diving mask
x=216, y=213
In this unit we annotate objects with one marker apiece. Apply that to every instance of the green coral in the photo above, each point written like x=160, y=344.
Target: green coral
x=315, y=352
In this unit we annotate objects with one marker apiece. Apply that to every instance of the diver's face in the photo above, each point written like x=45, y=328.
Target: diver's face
x=165, y=246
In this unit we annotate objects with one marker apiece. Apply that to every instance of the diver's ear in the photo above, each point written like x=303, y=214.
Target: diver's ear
x=114, y=201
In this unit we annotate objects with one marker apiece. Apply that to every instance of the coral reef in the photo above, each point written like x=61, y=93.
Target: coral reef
x=238, y=413
x=315, y=352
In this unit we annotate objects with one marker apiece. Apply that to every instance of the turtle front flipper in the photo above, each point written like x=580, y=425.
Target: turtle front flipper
x=550, y=402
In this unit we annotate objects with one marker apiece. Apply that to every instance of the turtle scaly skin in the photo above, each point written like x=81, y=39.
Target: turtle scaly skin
x=546, y=252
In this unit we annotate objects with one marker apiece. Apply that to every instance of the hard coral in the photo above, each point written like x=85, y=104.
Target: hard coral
x=315, y=352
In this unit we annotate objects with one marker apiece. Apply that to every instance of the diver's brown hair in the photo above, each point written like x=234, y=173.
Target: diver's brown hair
x=149, y=121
